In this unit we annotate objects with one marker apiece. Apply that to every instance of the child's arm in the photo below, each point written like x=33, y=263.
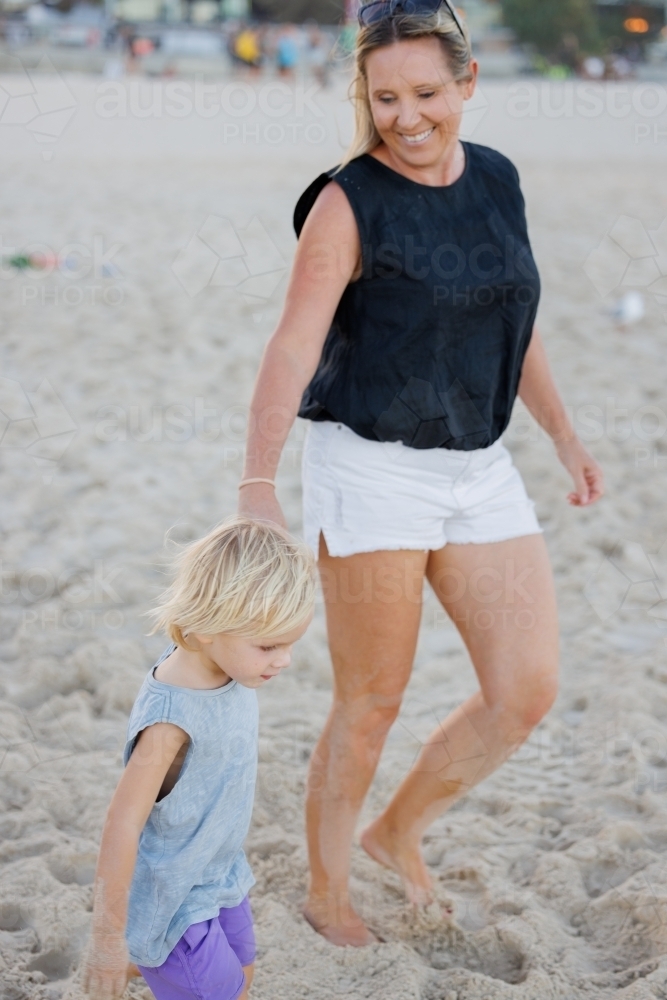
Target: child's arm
x=105, y=971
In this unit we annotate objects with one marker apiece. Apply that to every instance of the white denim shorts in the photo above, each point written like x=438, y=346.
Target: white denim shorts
x=366, y=496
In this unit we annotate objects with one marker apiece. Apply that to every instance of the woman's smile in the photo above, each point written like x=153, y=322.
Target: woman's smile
x=413, y=140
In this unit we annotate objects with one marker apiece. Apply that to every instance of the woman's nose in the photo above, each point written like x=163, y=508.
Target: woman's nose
x=408, y=113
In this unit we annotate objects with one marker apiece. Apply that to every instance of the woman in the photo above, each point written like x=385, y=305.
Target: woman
x=406, y=334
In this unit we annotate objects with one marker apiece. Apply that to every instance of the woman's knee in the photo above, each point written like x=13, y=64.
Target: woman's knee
x=526, y=701
x=369, y=717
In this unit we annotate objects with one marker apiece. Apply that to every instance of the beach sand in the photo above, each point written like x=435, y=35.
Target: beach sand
x=126, y=374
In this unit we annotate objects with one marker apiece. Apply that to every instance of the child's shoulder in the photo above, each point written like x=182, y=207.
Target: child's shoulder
x=151, y=703
x=171, y=648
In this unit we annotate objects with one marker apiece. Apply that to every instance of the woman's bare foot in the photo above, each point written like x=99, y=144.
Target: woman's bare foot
x=403, y=858
x=345, y=929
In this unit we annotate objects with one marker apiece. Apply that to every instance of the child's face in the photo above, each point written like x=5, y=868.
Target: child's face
x=251, y=662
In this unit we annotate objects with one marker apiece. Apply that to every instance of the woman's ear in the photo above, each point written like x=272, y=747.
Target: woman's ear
x=469, y=85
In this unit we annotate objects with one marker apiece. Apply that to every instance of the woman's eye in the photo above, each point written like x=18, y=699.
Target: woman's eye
x=429, y=93
x=386, y=100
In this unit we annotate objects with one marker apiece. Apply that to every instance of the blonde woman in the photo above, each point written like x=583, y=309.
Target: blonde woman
x=407, y=332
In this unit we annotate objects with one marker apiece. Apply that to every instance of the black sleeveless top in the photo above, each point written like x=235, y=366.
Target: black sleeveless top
x=426, y=347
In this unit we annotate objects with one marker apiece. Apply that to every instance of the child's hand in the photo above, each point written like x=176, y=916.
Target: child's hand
x=107, y=966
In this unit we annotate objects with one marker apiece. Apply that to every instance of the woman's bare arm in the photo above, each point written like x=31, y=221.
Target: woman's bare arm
x=327, y=256
x=106, y=967
x=538, y=391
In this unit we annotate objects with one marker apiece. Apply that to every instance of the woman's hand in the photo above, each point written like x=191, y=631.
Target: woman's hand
x=259, y=501
x=539, y=393
x=107, y=966
x=585, y=471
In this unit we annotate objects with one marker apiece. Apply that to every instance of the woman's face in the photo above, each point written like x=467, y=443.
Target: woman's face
x=415, y=102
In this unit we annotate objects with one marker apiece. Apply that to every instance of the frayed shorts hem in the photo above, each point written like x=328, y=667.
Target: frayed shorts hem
x=370, y=496
x=339, y=548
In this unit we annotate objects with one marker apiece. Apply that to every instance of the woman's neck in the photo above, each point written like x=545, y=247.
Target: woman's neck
x=446, y=171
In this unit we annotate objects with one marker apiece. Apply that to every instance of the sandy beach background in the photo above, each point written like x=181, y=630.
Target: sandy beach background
x=164, y=219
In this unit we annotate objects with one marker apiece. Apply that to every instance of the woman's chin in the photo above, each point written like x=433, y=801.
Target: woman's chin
x=426, y=154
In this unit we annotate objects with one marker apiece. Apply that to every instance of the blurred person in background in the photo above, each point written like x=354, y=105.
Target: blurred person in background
x=246, y=50
x=287, y=51
x=318, y=55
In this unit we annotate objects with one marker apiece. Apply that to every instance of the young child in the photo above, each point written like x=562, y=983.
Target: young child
x=172, y=881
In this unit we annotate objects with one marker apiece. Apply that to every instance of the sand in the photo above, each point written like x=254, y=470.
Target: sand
x=124, y=391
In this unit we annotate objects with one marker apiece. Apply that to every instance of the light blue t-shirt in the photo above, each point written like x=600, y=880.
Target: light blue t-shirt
x=191, y=862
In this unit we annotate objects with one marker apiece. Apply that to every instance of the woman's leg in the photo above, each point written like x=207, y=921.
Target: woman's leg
x=501, y=598
x=373, y=605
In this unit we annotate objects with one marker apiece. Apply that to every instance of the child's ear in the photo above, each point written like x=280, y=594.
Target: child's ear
x=202, y=640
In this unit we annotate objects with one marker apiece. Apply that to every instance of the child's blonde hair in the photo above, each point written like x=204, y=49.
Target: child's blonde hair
x=246, y=578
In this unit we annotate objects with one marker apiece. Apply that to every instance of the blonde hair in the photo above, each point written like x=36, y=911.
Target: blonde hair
x=439, y=24
x=247, y=578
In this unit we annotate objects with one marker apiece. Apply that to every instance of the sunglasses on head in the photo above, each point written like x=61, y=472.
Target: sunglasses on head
x=381, y=10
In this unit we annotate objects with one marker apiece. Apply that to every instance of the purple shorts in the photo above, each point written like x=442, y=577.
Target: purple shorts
x=207, y=962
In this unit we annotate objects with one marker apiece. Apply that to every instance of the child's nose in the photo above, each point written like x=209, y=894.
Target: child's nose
x=284, y=659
